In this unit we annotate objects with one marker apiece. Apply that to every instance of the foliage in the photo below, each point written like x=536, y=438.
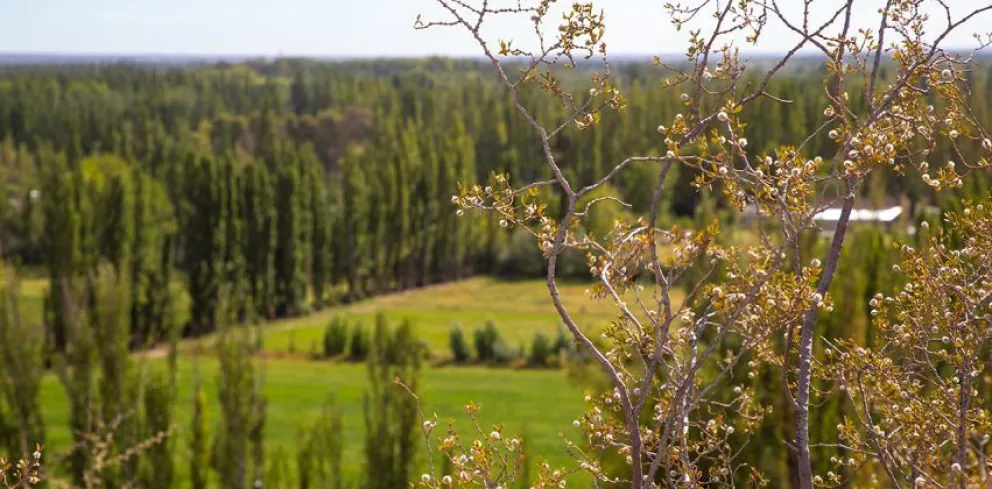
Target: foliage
x=335, y=338
x=278, y=474
x=243, y=405
x=21, y=361
x=458, y=344
x=319, y=456
x=26, y=472
x=391, y=417
x=358, y=346
x=490, y=460
x=937, y=323
x=673, y=411
x=560, y=344
x=540, y=350
x=158, y=468
x=487, y=340
x=112, y=433
x=199, y=442
x=291, y=174
x=520, y=258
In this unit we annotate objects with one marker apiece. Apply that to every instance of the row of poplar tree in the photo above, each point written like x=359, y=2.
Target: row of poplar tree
x=299, y=182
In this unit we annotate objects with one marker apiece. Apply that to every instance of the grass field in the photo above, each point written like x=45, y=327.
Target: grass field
x=519, y=310
x=540, y=404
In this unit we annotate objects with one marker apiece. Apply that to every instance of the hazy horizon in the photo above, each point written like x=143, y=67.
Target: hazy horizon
x=320, y=29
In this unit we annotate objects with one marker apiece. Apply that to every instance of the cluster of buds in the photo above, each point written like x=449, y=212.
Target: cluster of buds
x=490, y=460
x=783, y=181
x=25, y=472
x=513, y=207
x=937, y=323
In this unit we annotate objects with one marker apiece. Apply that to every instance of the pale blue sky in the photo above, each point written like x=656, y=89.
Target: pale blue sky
x=312, y=27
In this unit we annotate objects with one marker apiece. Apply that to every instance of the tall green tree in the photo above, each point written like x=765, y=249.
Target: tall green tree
x=204, y=238
x=258, y=212
x=391, y=416
x=22, y=364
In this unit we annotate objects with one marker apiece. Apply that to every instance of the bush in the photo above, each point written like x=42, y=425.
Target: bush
x=540, y=350
x=335, y=338
x=489, y=346
x=560, y=344
x=359, y=345
x=503, y=353
x=486, y=340
x=459, y=347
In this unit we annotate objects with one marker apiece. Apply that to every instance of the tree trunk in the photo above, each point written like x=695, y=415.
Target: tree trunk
x=805, y=470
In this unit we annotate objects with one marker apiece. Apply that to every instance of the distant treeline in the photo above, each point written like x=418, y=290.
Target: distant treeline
x=286, y=185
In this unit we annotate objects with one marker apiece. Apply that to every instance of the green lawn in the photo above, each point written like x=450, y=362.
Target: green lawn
x=538, y=403
x=33, y=290
x=519, y=310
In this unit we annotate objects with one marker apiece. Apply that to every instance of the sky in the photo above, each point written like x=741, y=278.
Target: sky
x=354, y=28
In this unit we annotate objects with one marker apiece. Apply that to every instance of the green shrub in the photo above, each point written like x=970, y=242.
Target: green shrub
x=540, y=350
x=459, y=347
x=335, y=338
x=490, y=347
x=359, y=345
x=485, y=342
x=560, y=344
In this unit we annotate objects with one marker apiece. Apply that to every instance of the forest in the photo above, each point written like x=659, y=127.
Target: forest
x=187, y=211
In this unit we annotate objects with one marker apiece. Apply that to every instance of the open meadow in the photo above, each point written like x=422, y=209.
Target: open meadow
x=537, y=403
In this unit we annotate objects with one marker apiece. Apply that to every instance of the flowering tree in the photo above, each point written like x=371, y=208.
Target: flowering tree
x=914, y=391
x=675, y=412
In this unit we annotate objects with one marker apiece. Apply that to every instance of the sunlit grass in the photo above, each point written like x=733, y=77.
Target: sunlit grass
x=540, y=404
x=518, y=309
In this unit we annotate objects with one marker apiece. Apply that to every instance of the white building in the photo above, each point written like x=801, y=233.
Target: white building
x=885, y=217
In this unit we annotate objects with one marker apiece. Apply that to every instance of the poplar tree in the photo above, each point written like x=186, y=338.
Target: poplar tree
x=258, y=213
x=204, y=239
x=22, y=364
x=391, y=416
x=293, y=232
x=66, y=244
